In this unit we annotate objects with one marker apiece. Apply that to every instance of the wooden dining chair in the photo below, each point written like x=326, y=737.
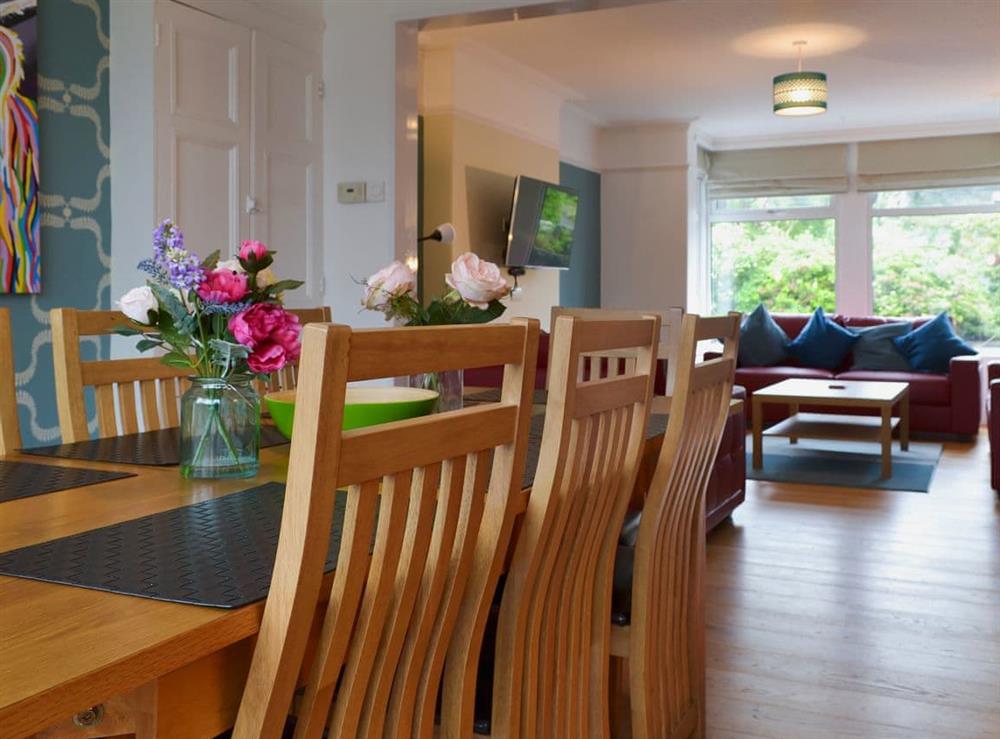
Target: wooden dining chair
x=552, y=642
x=427, y=513
x=615, y=363
x=115, y=382
x=10, y=429
x=664, y=641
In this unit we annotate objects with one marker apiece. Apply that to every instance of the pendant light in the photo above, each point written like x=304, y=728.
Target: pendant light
x=800, y=93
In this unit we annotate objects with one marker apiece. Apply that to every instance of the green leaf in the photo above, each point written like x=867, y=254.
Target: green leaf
x=229, y=350
x=211, y=261
x=127, y=331
x=146, y=344
x=282, y=285
x=169, y=301
x=177, y=359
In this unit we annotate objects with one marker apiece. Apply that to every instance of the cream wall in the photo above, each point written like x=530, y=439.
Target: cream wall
x=479, y=145
x=371, y=75
x=645, y=197
x=484, y=111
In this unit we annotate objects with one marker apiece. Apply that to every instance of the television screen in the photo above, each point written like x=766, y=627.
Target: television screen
x=542, y=224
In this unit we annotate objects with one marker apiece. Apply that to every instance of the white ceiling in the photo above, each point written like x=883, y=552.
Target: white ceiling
x=889, y=62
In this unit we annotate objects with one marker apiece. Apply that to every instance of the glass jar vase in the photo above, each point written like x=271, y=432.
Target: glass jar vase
x=448, y=386
x=220, y=428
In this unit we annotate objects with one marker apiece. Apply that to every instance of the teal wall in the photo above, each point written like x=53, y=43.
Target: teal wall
x=580, y=286
x=76, y=198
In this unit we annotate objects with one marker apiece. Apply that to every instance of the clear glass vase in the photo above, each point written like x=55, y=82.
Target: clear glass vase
x=220, y=428
x=448, y=386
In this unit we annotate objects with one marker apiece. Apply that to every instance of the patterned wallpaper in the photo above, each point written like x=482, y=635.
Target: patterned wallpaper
x=76, y=199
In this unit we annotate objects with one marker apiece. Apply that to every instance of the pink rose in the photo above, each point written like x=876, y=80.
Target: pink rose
x=393, y=281
x=268, y=357
x=223, y=286
x=272, y=334
x=255, y=248
x=476, y=280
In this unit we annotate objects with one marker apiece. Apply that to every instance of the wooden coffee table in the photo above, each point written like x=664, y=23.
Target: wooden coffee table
x=881, y=396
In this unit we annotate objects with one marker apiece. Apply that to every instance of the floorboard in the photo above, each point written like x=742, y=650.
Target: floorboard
x=834, y=612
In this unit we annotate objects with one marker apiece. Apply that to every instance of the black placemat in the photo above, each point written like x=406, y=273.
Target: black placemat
x=25, y=479
x=151, y=448
x=219, y=552
x=657, y=425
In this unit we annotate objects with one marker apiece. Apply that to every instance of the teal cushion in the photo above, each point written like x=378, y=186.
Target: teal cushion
x=822, y=343
x=875, y=350
x=931, y=347
x=762, y=342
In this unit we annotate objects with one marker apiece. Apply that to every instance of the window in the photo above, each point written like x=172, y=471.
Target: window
x=776, y=250
x=935, y=250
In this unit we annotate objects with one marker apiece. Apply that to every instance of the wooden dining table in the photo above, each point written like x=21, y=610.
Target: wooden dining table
x=89, y=663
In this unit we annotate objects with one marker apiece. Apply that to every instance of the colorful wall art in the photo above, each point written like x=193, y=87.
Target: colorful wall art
x=20, y=261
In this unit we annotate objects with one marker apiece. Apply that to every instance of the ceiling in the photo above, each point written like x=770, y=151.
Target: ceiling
x=889, y=62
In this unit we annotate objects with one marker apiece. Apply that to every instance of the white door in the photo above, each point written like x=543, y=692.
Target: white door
x=287, y=180
x=203, y=126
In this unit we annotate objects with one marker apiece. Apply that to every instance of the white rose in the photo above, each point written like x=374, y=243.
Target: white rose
x=137, y=303
x=393, y=281
x=476, y=280
x=265, y=278
x=231, y=264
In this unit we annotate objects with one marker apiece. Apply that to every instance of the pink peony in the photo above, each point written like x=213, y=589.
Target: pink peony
x=393, y=281
x=272, y=334
x=476, y=280
x=223, y=286
x=256, y=248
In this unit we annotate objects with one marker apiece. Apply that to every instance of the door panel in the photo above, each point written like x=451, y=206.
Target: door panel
x=288, y=160
x=203, y=126
x=215, y=166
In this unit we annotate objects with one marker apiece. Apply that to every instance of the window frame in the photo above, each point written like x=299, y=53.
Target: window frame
x=986, y=349
x=853, y=213
x=757, y=215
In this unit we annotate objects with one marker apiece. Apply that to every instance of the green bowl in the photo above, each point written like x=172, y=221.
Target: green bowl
x=363, y=406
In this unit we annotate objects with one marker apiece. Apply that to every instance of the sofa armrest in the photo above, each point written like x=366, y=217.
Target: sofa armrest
x=710, y=355
x=993, y=370
x=966, y=395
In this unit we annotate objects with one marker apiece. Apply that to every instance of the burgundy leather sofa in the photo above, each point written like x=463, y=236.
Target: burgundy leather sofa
x=993, y=421
x=945, y=404
x=726, y=487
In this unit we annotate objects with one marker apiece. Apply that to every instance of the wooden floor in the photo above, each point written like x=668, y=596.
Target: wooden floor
x=835, y=612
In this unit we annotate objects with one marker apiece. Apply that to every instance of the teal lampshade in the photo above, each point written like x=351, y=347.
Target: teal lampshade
x=800, y=93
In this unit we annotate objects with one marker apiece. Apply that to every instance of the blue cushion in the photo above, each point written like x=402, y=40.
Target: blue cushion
x=762, y=342
x=822, y=343
x=875, y=350
x=931, y=347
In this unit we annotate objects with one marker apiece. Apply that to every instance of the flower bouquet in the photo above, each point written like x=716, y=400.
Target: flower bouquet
x=224, y=321
x=476, y=289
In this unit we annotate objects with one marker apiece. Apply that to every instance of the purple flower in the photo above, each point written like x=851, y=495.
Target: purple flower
x=179, y=267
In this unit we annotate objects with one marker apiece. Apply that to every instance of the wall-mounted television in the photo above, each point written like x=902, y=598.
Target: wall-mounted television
x=542, y=224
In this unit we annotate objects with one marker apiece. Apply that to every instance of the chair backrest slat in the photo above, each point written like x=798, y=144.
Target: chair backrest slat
x=115, y=381
x=616, y=362
x=666, y=633
x=553, y=645
x=10, y=429
x=438, y=497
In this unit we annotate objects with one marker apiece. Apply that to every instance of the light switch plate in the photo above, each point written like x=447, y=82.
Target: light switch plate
x=375, y=192
x=350, y=192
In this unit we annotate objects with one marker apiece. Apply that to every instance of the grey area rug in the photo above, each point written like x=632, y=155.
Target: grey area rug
x=848, y=464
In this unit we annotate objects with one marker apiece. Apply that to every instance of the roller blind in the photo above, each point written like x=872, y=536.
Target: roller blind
x=791, y=170
x=944, y=161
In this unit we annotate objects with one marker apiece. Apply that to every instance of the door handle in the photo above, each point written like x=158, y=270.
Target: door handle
x=251, y=206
